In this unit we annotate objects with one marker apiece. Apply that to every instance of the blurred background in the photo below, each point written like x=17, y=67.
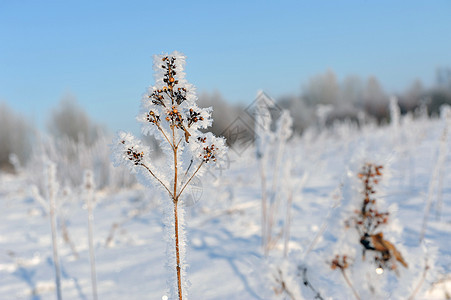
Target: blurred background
x=75, y=71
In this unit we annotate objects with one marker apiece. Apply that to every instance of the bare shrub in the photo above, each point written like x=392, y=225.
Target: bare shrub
x=70, y=121
x=15, y=137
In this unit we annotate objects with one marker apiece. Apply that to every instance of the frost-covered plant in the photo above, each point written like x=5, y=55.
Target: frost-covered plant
x=377, y=265
x=169, y=112
x=263, y=140
x=73, y=158
x=376, y=272
x=270, y=152
x=436, y=181
x=52, y=191
x=302, y=272
x=341, y=262
x=88, y=190
x=368, y=220
x=39, y=191
x=62, y=219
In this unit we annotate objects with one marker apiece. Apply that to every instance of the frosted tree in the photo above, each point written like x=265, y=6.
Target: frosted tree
x=170, y=113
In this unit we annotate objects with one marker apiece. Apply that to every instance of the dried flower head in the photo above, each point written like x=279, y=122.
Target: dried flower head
x=368, y=218
x=340, y=262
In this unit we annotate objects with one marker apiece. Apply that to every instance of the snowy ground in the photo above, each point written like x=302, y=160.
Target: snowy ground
x=223, y=227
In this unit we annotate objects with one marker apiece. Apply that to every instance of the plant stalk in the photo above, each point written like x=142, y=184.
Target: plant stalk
x=349, y=284
x=177, y=251
x=91, y=249
x=56, y=261
x=176, y=220
x=264, y=208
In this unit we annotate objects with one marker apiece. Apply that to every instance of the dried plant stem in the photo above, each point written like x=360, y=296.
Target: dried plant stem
x=56, y=261
x=274, y=199
x=158, y=179
x=264, y=207
x=308, y=284
x=420, y=283
x=165, y=136
x=349, y=283
x=283, y=285
x=176, y=222
x=287, y=224
x=91, y=248
x=272, y=240
x=67, y=238
x=177, y=252
x=192, y=176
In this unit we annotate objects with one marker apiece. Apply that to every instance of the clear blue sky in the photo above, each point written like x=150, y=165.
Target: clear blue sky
x=100, y=51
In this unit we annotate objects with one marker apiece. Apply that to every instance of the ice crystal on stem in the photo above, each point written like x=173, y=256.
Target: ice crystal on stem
x=89, y=189
x=170, y=113
x=52, y=190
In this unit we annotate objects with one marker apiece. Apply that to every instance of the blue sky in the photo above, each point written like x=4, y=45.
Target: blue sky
x=101, y=51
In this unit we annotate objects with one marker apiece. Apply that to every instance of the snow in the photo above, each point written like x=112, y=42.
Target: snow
x=224, y=256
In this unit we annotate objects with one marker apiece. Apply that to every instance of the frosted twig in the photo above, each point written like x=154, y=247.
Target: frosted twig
x=158, y=179
x=89, y=190
x=67, y=238
x=307, y=283
x=51, y=193
x=287, y=224
x=165, y=136
x=349, y=284
x=192, y=176
x=264, y=207
x=283, y=285
x=341, y=262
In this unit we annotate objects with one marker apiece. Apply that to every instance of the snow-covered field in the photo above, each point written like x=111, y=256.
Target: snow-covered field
x=223, y=226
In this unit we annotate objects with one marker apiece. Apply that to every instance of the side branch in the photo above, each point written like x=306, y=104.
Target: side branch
x=356, y=295
x=158, y=179
x=179, y=142
x=165, y=136
x=420, y=283
x=192, y=176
